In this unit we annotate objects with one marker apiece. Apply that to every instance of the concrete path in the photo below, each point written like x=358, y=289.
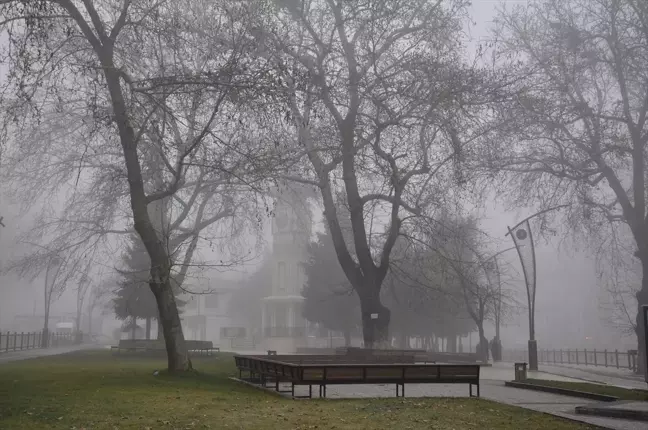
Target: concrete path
x=601, y=376
x=25, y=354
x=619, y=377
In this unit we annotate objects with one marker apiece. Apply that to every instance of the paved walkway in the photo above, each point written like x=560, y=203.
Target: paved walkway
x=611, y=376
x=25, y=354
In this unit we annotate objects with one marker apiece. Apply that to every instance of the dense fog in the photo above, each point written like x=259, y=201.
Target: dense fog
x=245, y=255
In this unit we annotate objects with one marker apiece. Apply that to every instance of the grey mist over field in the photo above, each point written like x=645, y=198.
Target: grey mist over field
x=247, y=213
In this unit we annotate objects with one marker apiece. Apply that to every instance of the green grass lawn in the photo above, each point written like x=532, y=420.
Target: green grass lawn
x=609, y=390
x=93, y=390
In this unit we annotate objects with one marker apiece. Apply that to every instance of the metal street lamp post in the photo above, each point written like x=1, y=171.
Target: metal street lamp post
x=523, y=240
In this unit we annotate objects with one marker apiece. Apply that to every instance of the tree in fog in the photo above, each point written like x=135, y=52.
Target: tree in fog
x=452, y=265
x=133, y=299
x=620, y=274
x=379, y=102
x=99, y=300
x=116, y=84
x=423, y=302
x=578, y=119
x=84, y=286
x=329, y=297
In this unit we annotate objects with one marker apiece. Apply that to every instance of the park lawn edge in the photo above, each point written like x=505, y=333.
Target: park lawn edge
x=94, y=390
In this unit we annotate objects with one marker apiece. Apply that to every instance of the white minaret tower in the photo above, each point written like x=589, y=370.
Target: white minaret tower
x=284, y=328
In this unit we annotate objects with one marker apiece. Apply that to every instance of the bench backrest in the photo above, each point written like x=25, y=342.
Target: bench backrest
x=199, y=344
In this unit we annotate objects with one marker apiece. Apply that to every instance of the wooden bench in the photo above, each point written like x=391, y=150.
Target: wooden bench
x=148, y=345
x=263, y=369
x=203, y=346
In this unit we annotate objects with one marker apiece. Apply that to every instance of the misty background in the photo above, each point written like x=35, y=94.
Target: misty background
x=574, y=307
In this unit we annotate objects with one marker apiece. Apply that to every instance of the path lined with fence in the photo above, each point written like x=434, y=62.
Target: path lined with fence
x=579, y=357
x=32, y=340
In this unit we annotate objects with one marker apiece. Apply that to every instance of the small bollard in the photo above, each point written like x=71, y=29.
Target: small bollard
x=271, y=352
x=520, y=371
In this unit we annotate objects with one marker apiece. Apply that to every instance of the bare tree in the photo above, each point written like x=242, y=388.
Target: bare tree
x=375, y=93
x=579, y=129
x=83, y=59
x=99, y=299
x=619, y=272
x=60, y=270
x=52, y=290
x=84, y=286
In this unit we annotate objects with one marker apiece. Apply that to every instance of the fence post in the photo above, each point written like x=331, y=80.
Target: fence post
x=554, y=356
x=595, y=362
x=605, y=357
x=577, y=356
x=616, y=355
x=15, y=340
x=22, y=339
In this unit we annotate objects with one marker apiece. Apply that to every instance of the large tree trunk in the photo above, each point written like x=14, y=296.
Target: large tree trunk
x=177, y=354
x=452, y=343
x=90, y=311
x=148, y=328
x=46, y=334
x=160, y=334
x=347, y=337
x=78, y=333
x=375, y=321
x=482, y=351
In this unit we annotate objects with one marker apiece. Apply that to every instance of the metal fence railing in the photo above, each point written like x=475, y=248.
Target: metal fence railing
x=31, y=340
x=579, y=357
